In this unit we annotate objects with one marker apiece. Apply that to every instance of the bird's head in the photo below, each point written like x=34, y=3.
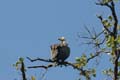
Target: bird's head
x=63, y=41
x=61, y=38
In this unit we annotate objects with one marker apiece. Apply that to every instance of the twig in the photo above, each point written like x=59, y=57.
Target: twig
x=101, y=19
x=39, y=59
x=45, y=67
x=43, y=75
x=97, y=54
x=89, y=32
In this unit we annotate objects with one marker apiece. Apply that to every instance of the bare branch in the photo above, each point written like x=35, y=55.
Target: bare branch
x=39, y=59
x=99, y=34
x=89, y=32
x=96, y=36
x=85, y=37
x=97, y=54
x=45, y=67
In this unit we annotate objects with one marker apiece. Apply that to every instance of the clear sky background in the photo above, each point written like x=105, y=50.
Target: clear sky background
x=29, y=27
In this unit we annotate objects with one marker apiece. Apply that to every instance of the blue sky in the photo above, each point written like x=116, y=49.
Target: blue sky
x=29, y=27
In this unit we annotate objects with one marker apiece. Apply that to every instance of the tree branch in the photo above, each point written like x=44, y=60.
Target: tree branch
x=115, y=18
x=82, y=71
x=23, y=71
x=51, y=65
x=97, y=54
x=111, y=6
x=45, y=67
x=101, y=19
x=39, y=59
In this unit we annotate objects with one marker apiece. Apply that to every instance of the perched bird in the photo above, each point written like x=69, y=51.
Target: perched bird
x=60, y=52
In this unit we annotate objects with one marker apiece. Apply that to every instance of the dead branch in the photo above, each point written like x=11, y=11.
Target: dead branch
x=39, y=59
x=45, y=67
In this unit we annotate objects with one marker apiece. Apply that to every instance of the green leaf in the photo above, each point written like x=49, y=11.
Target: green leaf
x=77, y=59
x=91, y=54
x=81, y=61
x=16, y=65
x=110, y=41
x=108, y=25
x=118, y=39
x=33, y=78
x=110, y=18
x=21, y=59
x=106, y=1
x=94, y=75
x=104, y=72
x=119, y=73
x=104, y=21
x=119, y=64
x=118, y=27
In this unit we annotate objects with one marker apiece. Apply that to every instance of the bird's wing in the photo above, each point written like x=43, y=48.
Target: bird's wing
x=63, y=52
x=67, y=49
x=54, y=51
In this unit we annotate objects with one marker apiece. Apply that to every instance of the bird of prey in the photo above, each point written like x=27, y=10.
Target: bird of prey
x=60, y=52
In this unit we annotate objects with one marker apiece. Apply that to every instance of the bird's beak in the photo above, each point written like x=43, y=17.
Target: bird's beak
x=61, y=39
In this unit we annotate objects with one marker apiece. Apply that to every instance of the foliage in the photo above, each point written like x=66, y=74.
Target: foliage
x=81, y=61
x=17, y=65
